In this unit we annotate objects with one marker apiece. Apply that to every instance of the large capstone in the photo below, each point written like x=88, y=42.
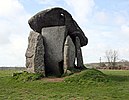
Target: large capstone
x=57, y=17
x=69, y=54
x=35, y=53
x=54, y=43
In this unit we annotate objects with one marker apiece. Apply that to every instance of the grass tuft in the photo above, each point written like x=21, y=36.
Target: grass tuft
x=25, y=76
x=89, y=75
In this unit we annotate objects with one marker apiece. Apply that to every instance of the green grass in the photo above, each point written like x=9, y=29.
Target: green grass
x=87, y=85
x=25, y=76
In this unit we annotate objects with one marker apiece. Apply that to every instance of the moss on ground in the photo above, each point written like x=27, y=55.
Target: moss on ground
x=86, y=76
x=25, y=76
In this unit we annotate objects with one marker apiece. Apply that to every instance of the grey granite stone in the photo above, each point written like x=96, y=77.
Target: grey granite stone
x=79, y=53
x=69, y=54
x=35, y=53
x=54, y=43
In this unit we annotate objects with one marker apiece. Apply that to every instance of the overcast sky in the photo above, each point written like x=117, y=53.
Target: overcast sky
x=104, y=22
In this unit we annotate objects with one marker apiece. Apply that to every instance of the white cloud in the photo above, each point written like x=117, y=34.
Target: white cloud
x=49, y=3
x=121, y=17
x=10, y=7
x=120, y=20
x=81, y=9
x=101, y=17
x=125, y=29
x=13, y=33
x=123, y=53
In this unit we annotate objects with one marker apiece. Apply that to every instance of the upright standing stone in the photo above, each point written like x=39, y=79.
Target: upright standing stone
x=69, y=54
x=35, y=53
x=54, y=43
x=79, y=53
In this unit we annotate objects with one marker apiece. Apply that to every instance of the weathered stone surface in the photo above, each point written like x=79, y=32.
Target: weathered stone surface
x=79, y=53
x=35, y=53
x=54, y=41
x=69, y=54
x=57, y=17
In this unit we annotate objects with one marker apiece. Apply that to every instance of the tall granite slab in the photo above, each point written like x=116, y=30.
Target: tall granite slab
x=35, y=53
x=69, y=54
x=54, y=43
x=79, y=53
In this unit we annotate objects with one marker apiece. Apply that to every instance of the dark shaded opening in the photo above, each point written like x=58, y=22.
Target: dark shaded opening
x=61, y=69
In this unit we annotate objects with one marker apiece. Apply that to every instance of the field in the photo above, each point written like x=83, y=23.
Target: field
x=115, y=87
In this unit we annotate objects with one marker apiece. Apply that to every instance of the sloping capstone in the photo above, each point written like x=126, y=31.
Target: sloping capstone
x=35, y=53
x=69, y=54
x=54, y=43
x=58, y=17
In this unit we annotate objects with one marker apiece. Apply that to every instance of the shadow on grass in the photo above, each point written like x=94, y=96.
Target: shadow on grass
x=118, y=78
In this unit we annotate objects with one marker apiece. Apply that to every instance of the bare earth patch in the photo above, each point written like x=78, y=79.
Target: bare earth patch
x=53, y=79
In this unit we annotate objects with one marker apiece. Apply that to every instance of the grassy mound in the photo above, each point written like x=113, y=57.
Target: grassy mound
x=89, y=75
x=25, y=76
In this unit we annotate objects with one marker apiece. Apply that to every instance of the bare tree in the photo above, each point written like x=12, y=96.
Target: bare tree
x=112, y=57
